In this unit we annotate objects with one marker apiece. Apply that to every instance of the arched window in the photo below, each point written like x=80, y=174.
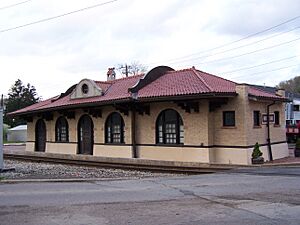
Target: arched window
x=114, y=129
x=169, y=128
x=61, y=130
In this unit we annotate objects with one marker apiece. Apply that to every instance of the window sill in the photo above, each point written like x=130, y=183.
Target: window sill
x=228, y=127
x=277, y=125
x=115, y=143
x=256, y=127
x=170, y=145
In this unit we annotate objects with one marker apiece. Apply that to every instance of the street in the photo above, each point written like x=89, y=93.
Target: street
x=249, y=196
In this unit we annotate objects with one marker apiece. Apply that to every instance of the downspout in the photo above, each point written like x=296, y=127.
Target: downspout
x=134, y=96
x=1, y=134
x=268, y=129
x=133, y=133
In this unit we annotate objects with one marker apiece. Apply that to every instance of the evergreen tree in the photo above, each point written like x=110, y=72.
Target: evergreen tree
x=19, y=96
x=256, y=151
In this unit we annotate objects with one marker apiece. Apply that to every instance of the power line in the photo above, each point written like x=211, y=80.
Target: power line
x=248, y=53
x=58, y=16
x=267, y=71
x=13, y=5
x=251, y=67
x=238, y=47
x=230, y=43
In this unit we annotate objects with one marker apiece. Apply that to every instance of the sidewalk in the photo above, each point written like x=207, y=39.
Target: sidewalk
x=291, y=160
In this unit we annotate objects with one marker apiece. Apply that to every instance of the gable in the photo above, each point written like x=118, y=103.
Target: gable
x=86, y=88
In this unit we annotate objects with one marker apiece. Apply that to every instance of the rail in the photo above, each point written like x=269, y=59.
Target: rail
x=130, y=164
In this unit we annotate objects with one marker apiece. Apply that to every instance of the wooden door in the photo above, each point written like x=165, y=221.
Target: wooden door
x=40, y=136
x=85, y=135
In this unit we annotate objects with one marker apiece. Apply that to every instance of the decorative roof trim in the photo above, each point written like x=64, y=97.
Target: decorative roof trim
x=127, y=100
x=92, y=89
x=151, y=76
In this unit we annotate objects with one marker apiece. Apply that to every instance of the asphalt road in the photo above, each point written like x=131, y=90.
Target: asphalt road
x=252, y=196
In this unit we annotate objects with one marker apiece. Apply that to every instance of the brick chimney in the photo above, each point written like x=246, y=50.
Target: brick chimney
x=280, y=92
x=242, y=90
x=111, y=74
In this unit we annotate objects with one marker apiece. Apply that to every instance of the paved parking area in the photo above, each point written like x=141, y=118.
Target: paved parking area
x=221, y=198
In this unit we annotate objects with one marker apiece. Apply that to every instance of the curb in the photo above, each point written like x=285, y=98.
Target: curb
x=291, y=164
x=71, y=180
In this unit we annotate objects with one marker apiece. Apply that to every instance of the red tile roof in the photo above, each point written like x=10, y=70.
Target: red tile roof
x=186, y=82
x=256, y=92
x=35, y=106
x=172, y=83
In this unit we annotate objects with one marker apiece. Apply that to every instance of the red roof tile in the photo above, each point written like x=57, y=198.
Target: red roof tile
x=104, y=85
x=172, y=83
x=35, y=106
x=186, y=82
x=115, y=90
x=260, y=93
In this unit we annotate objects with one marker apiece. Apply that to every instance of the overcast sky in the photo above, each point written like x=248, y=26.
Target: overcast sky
x=56, y=54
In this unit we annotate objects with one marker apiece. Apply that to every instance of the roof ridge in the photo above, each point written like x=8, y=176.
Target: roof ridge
x=102, y=82
x=181, y=70
x=201, y=78
x=122, y=78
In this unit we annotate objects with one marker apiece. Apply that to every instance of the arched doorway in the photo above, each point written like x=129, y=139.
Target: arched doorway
x=40, y=136
x=85, y=135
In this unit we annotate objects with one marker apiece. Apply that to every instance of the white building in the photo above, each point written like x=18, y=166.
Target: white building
x=292, y=109
x=17, y=134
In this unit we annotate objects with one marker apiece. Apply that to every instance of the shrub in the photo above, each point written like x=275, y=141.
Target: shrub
x=256, y=151
x=5, y=129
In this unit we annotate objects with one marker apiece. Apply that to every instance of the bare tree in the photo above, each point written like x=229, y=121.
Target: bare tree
x=132, y=69
x=292, y=85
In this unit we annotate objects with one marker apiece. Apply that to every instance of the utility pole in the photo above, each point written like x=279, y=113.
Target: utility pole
x=127, y=68
x=1, y=133
x=2, y=169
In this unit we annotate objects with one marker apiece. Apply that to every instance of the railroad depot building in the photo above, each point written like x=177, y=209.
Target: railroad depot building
x=184, y=115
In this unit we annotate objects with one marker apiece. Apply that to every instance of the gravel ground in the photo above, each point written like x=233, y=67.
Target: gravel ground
x=36, y=170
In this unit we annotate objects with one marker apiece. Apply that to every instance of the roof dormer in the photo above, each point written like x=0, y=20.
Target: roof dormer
x=86, y=88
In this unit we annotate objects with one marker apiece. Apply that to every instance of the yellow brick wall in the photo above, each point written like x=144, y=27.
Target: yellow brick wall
x=117, y=151
x=259, y=134
x=185, y=154
x=31, y=130
x=203, y=128
x=71, y=148
x=195, y=124
x=244, y=133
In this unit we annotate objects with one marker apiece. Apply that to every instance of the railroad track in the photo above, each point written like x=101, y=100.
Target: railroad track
x=129, y=164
